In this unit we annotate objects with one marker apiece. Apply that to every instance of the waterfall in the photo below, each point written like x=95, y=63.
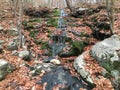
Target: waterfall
x=59, y=39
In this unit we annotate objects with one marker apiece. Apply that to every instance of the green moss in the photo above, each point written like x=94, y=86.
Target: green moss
x=24, y=23
x=35, y=20
x=38, y=42
x=56, y=13
x=44, y=45
x=109, y=66
x=116, y=65
x=30, y=23
x=68, y=39
x=74, y=25
x=82, y=34
x=78, y=46
x=49, y=33
x=33, y=34
x=52, y=22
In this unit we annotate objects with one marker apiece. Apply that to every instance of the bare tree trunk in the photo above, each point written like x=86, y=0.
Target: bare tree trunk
x=14, y=4
x=110, y=11
x=112, y=17
x=20, y=24
x=0, y=10
x=107, y=7
x=69, y=6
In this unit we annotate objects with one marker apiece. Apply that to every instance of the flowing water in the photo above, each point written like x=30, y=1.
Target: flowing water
x=59, y=40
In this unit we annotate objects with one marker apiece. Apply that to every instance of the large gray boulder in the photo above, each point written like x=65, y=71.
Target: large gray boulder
x=106, y=53
x=5, y=68
x=12, y=46
x=25, y=55
x=79, y=65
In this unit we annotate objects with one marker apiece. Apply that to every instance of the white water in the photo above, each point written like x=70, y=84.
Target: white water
x=57, y=47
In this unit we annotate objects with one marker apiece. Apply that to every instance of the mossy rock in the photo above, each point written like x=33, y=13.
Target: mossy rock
x=109, y=66
x=52, y=22
x=31, y=22
x=78, y=46
x=113, y=72
x=35, y=20
x=56, y=12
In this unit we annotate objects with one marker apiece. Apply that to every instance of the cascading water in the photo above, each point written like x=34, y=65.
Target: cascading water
x=59, y=39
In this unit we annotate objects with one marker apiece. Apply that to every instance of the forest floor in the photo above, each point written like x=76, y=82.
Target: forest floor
x=21, y=79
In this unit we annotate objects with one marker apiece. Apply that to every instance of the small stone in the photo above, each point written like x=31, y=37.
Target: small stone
x=24, y=55
x=13, y=31
x=3, y=63
x=2, y=41
x=1, y=28
x=1, y=48
x=55, y=61
x=5, y=68
x=15, y=53
x=12, y=46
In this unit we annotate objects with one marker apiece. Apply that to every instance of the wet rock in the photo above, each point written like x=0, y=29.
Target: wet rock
x=66, y=51
x=2, y=41
x=106, y=53
x=61, y=76
x=12, y=46
x=55, y=61
x=13, y=31
x=79, y=65
x=5, y=68
x=47, y=60
x=25, y=55
x=39, y=68
x=65, y=54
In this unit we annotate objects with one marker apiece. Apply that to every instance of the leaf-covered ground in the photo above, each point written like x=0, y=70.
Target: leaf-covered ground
x=21, y=79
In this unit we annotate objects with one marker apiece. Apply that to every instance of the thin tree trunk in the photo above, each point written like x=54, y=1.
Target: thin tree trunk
x=112, y=17
x=107, y=7
x=69, y=6
x=20, y=23
x=14, y=4
x=110, y=11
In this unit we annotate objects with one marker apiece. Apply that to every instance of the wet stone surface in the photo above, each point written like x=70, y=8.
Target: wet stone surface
x=61, y=76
